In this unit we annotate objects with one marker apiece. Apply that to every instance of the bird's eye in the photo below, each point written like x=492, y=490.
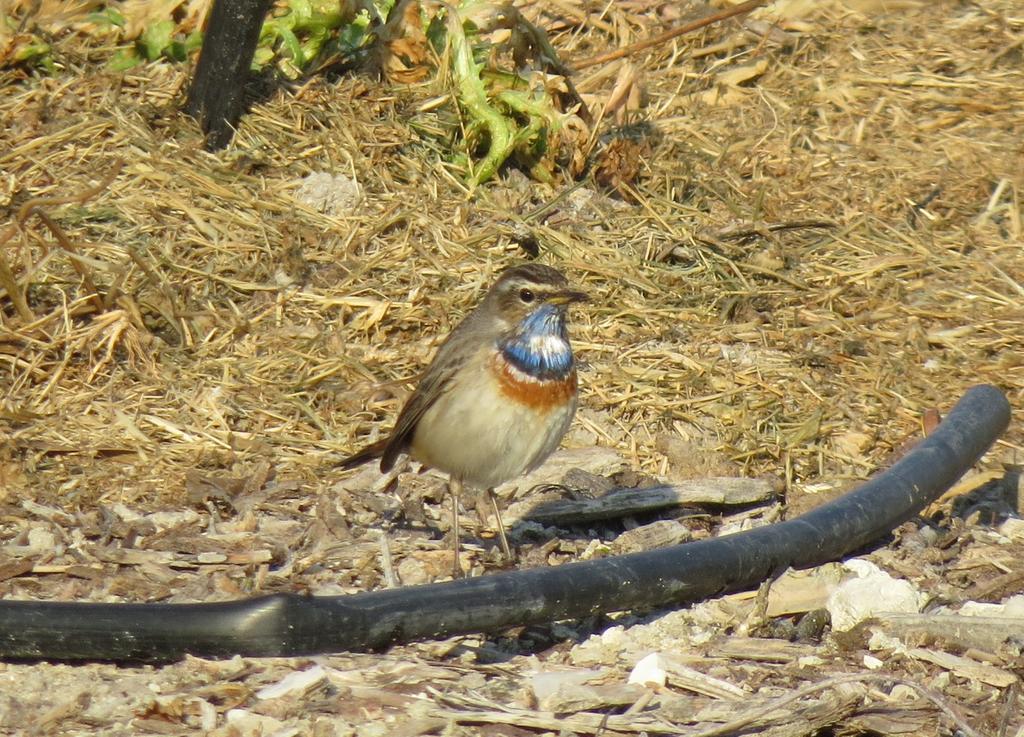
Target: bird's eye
x=527, y=295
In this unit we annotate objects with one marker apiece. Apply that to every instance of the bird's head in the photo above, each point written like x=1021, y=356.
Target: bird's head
x=528, y=305
x=532, y=293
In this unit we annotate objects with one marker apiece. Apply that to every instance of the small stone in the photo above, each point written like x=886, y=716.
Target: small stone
x=331, y=194
x=649, y=672
x=872, y=663
x=41, y=540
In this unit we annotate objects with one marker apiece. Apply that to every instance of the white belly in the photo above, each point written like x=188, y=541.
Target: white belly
x=474, y=432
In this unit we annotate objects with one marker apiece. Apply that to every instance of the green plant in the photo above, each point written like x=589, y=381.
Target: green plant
x=159, y=40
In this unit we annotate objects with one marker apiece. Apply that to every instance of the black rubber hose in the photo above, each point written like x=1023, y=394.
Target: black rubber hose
x=285, y=624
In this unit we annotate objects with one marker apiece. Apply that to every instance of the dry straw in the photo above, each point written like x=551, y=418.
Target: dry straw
x=822, y=242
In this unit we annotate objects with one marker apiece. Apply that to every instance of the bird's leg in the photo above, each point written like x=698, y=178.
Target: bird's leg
x=501, y=525
x=455, y=488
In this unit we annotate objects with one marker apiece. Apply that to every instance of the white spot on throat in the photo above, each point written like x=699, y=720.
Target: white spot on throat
x=549, y=345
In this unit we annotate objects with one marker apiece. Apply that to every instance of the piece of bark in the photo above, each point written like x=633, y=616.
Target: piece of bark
x=806, y=716
x=571, y=698
x=762, y=649
x=658, y=534
x=691, y=679
x=630, y=502
x=967, y=668
x=894, y=721
x=797, y=592
x=999, y=635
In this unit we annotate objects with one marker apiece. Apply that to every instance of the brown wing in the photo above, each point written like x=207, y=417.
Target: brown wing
x=460, y=345
x=430, y=387
x=449, y=359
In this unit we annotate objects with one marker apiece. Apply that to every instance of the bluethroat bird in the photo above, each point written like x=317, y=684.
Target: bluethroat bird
x=498, y=396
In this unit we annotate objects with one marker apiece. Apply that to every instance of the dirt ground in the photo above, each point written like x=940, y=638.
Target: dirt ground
x=823, y=248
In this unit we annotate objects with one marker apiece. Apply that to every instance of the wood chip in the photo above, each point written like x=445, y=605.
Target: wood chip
x=764, y=650
x=967, y=668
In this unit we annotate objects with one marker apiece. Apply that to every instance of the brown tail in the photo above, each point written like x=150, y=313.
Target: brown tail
x=369, y=453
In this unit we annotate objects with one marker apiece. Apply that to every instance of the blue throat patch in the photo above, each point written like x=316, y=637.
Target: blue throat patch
x=527, y=350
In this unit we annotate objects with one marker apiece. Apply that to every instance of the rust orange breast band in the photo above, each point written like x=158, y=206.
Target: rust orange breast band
x=539, y=394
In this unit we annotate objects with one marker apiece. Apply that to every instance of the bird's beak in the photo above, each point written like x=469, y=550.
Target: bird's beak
x=566, y=296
